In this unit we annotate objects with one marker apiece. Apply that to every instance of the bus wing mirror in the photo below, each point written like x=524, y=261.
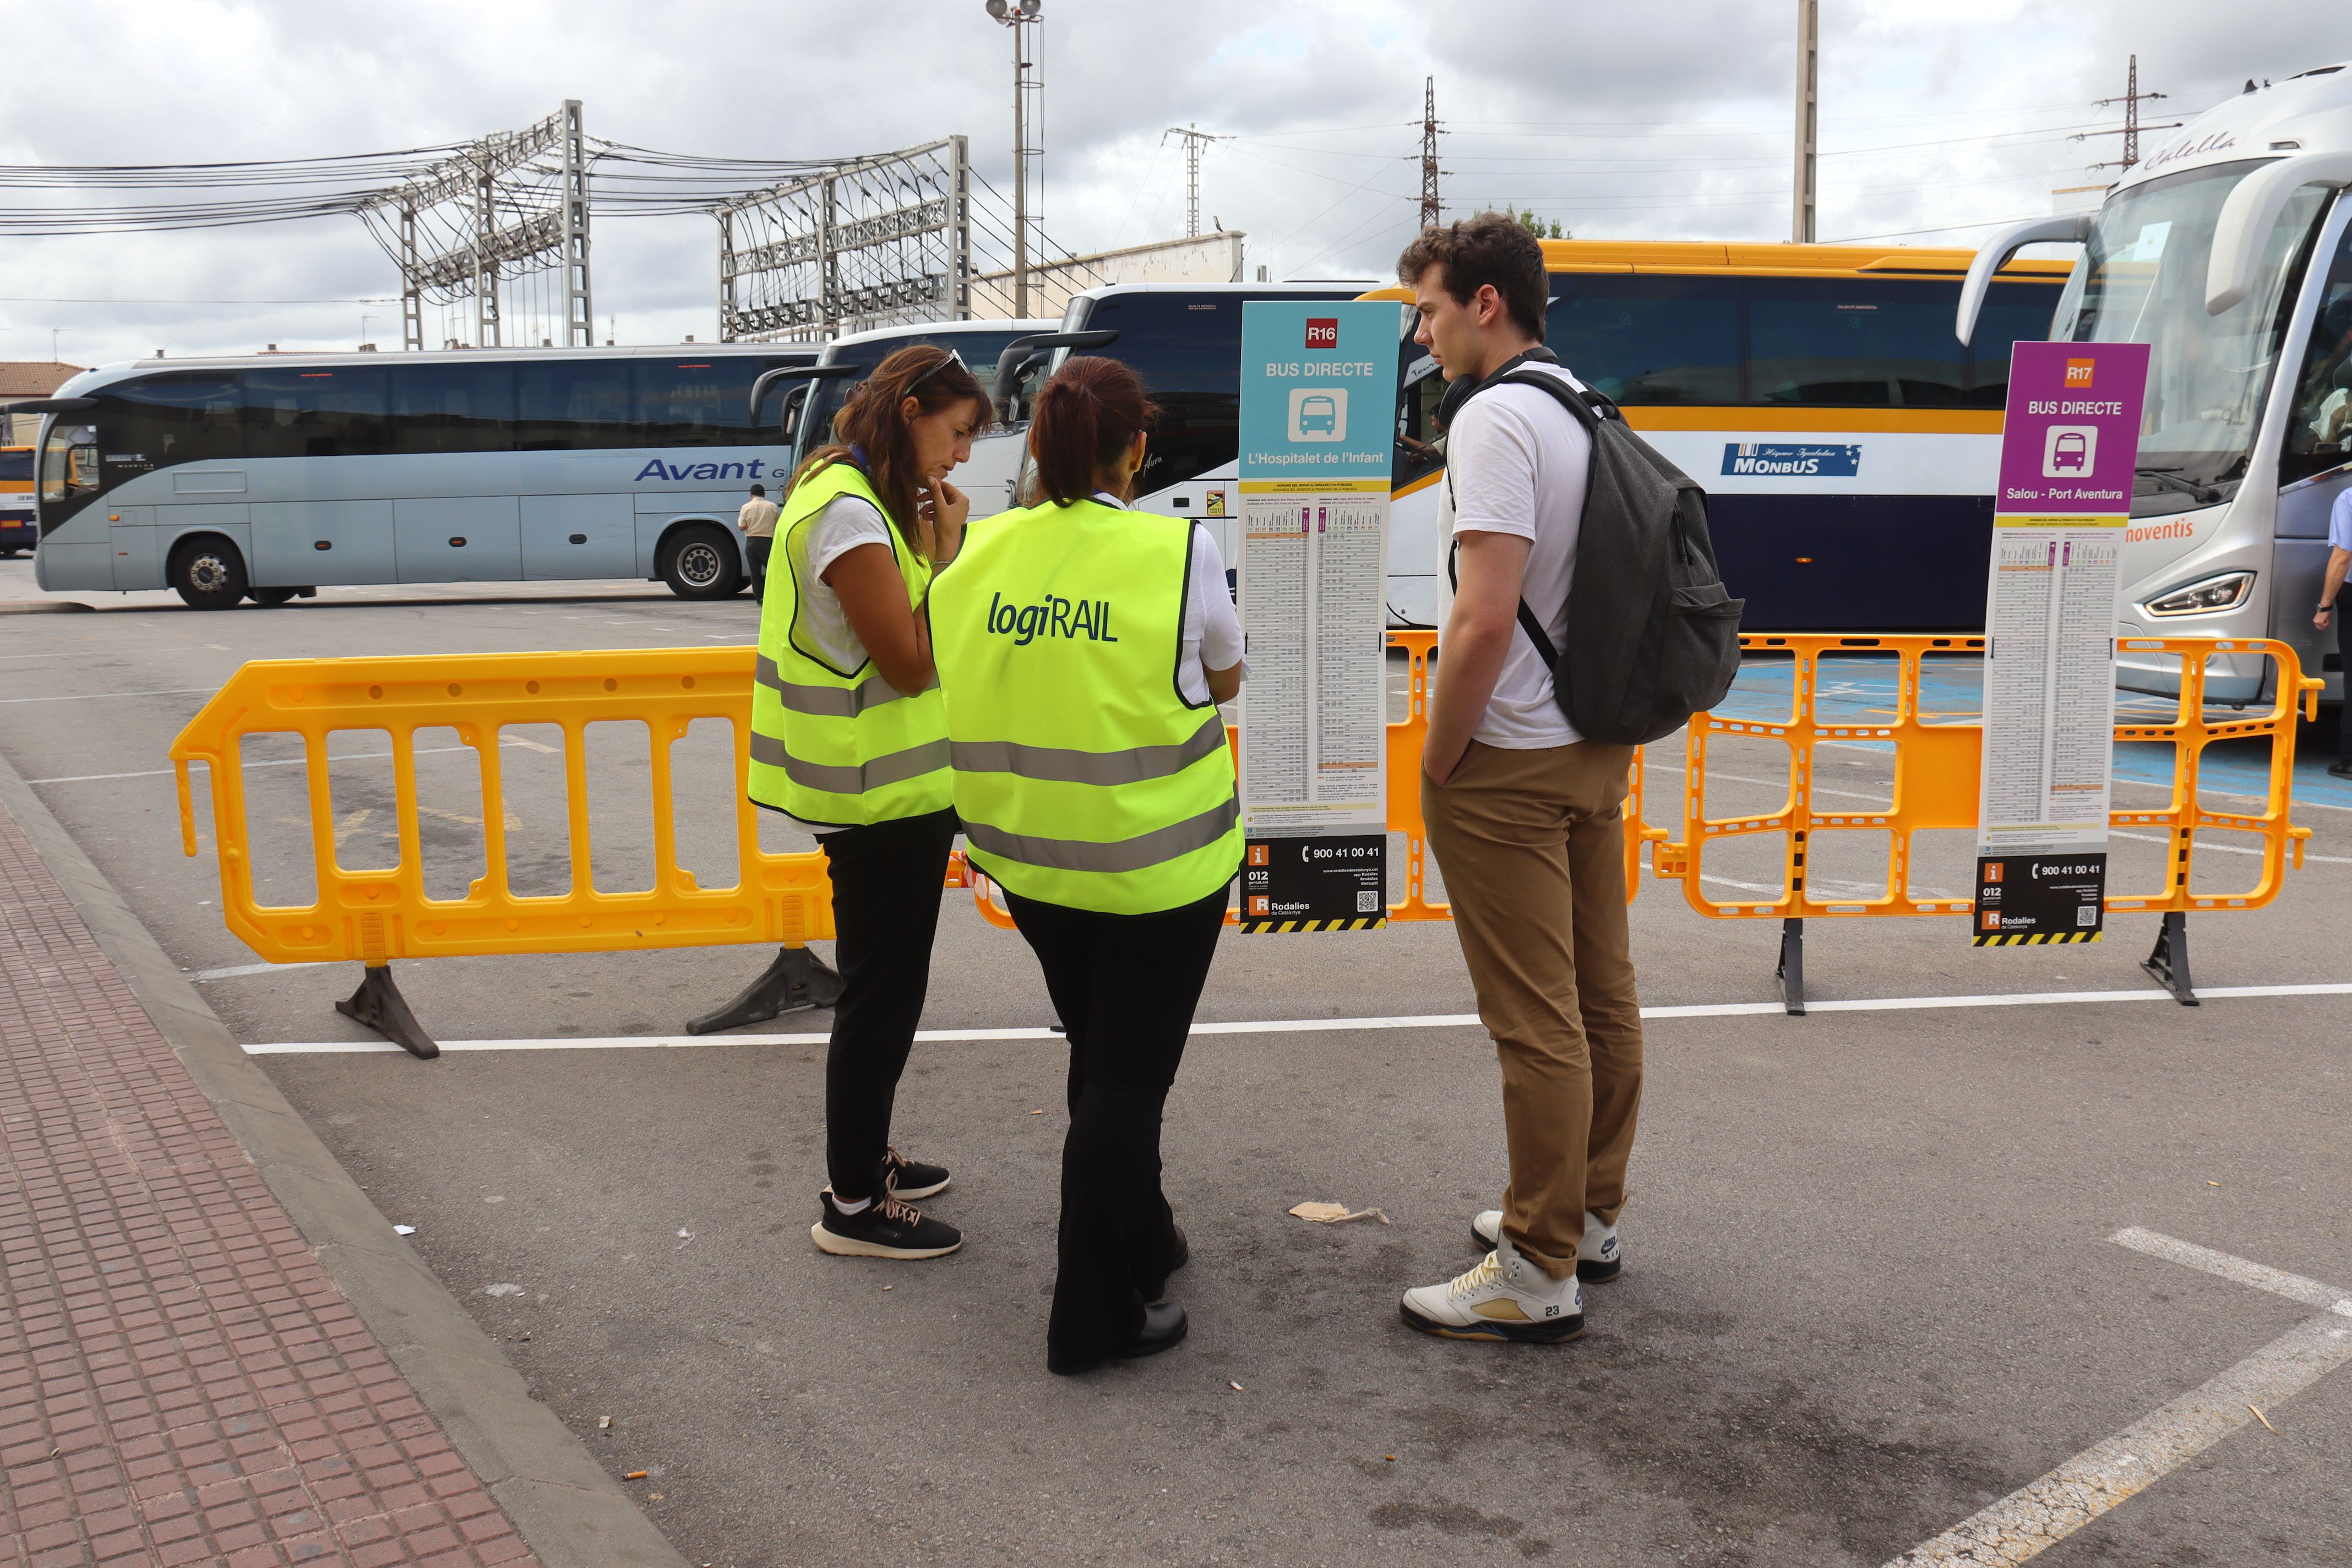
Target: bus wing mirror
x=1021, y=352
x=795, y=373
x=2072, y=229
x=2250, y=215
x=54, y=405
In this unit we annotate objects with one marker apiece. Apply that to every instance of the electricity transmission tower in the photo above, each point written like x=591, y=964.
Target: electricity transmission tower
x=2131, y=127
x=463, y=199
x=1432, y=211
x=1196, y=141
x=1018, y=16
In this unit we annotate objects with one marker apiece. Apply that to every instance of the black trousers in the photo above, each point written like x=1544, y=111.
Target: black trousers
x=886, y=880
x=1124, y=986
x=757, y=547
x=2342, y=620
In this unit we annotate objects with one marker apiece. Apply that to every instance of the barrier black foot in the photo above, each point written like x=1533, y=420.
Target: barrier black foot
x=2168, y=964
x=1791, y=973
x=378, y=1005
x=798, y=979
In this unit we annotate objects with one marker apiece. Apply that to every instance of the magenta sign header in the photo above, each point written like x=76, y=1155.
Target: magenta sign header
x=2071, y=439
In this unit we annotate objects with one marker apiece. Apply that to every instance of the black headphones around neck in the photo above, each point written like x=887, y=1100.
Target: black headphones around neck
x=1461, y=389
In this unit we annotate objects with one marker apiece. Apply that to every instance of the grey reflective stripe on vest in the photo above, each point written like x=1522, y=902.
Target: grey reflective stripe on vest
x=1139, y=853
x=897, y=768
x=1054, y=765
x=831, y=701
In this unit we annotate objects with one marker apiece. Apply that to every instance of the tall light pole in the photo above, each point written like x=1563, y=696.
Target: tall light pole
x=1017, y=14
x=1809, y=116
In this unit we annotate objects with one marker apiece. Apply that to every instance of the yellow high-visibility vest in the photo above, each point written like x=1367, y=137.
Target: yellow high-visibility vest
x=1083, y=776
x=829, y=745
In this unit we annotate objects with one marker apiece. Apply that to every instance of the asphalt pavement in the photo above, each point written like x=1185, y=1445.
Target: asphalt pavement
x=1870, y=1287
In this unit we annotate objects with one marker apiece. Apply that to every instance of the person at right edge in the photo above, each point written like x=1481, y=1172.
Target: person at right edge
x=2339, y=562
x=1525, y=816
x=1084, y=648
x=849, y=738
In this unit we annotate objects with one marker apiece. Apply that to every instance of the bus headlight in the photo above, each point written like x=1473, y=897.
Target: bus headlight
x=2226, y=592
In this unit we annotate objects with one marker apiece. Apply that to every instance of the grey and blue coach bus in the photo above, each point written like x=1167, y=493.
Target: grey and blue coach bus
x=267, y=477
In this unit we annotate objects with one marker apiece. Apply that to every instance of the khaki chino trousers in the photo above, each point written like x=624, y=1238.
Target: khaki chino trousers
x=1532, y=847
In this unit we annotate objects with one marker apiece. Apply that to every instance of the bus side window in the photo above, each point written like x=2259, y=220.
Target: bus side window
x=1648, y=340
x=572, y=405
x=453, y=407
x=1854, y=343
x=698, y=402
x=319, y=412
x=2319, y=433
x=2013, y=313
x=192, y=418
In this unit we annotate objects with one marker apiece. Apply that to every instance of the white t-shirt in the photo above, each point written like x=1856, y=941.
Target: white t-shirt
x=845, y=524
x=1516, y=462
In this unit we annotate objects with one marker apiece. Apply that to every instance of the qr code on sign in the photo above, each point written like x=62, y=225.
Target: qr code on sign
x=1368, y=901
x=2087, y=915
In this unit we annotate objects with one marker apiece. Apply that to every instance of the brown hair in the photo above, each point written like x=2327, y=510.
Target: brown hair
x=1491, y=247
x=1086, y=417
x=870, y=422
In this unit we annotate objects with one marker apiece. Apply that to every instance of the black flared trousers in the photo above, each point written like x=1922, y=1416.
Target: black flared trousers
x=1124, y=986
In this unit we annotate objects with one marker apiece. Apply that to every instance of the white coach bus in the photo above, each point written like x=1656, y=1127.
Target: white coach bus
x=2228, y=252
x=268, y=476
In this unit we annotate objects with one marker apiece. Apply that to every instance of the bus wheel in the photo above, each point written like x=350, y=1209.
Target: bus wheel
x=270, y=598
x=701, y=562
x=207, y=574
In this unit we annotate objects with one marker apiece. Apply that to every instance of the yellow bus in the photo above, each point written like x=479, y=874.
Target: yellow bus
x=17, y=525
x=1847, y=439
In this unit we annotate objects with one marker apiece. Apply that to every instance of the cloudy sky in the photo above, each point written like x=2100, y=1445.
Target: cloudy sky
x=1662, y=120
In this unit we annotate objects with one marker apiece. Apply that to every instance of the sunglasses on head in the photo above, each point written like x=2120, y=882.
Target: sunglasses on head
x=953, y=358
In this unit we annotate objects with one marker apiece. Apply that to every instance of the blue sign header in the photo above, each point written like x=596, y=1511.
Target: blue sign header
x=1319, y=389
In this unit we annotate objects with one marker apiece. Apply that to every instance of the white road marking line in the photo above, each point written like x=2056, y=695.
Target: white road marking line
x=2045, y=1512
x=2261, y=1276
x=2205, y=848
x=94, y=696
x=1290, y=1025
x=291, y=762
x=236, y=971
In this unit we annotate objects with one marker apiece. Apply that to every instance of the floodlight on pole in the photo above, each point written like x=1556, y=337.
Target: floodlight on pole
x=1017, y=14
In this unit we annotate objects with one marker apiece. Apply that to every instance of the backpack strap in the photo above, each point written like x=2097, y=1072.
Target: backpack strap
x=1588, y=409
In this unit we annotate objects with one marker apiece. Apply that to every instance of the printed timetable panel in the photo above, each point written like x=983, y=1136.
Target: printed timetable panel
x=2070, y=447
x=1317, y=408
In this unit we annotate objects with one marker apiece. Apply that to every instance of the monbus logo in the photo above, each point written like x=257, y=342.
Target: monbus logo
x=2078, y=374
x=1050, y=617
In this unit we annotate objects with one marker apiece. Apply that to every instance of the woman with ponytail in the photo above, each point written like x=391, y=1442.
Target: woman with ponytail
x=1084, y=648
x=849, y=738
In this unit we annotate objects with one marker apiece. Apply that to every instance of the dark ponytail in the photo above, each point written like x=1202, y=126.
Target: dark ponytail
x=871, y=422
x=1086, y=417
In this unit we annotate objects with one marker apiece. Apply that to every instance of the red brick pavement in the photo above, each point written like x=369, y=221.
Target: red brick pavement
x=180, y=1381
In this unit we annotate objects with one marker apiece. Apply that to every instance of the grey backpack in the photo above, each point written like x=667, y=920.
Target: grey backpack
x=1652, y=637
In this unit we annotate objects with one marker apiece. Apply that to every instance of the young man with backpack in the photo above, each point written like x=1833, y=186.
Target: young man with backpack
x=1523, y=812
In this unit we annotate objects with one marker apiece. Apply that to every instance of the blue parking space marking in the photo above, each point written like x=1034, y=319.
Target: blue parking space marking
x=1863, y=692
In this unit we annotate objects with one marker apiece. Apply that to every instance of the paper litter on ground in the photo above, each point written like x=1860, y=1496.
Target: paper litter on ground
x=1336, y=1213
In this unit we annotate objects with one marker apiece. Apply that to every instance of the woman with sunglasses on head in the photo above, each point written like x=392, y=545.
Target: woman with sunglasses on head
x=849, y=737
x=1084, y=648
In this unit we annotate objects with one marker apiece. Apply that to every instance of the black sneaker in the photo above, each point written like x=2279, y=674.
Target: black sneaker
x=910, y=1179
x=883, y=1228
x=2341, y=768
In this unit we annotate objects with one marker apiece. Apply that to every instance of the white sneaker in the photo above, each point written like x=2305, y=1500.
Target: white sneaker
x=1597, y=1257
x=1505, y=1297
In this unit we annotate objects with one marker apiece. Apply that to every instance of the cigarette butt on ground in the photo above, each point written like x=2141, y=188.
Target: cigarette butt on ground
x=634, y=1476
x=1336, y=1213
x=1236, y=1387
